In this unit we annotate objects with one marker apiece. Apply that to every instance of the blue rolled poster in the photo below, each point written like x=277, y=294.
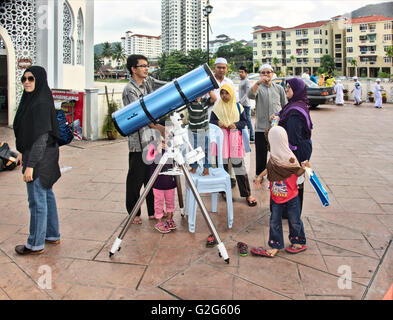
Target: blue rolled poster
x=319, y=189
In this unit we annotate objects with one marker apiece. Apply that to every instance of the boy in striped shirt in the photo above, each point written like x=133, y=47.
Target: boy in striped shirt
x=198, y=118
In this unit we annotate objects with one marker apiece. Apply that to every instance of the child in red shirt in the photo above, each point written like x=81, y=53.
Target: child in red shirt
x=282, y=171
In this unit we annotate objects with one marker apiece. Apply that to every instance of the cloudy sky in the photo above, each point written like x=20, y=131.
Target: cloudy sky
x=234, y=18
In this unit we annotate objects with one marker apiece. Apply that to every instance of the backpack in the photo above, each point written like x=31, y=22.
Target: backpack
x=65, y=131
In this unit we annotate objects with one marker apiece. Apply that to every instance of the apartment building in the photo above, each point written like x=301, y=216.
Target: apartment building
x=366, y=41
x=183, y=25
x=149, y=46
x=357, y=45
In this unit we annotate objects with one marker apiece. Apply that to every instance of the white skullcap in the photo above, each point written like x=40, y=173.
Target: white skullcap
x=355, y=78
x=221, y=60
x=266, y=66
x=378, y=80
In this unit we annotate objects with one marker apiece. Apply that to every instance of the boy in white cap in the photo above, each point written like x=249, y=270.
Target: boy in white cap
x=269, y=98
x=378, y=94
x=357, y=91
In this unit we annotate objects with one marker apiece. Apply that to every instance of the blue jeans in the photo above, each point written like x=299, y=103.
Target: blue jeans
x=198, y=138
x=296, y=228
x=44, y=223
x=249, y=123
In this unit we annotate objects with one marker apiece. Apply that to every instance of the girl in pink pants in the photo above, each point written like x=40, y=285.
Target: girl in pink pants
x=164, y=193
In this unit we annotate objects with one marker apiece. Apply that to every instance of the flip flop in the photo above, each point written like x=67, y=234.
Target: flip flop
x=261, y=252
x=139, y=221
x=294, y=250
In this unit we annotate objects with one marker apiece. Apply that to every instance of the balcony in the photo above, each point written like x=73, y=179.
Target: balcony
x=338, y=50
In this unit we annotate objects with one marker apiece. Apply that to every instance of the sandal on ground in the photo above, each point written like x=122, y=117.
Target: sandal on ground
x=162, y=227
x=211, y=241
x=251, y=203
x=137, y=220
x=243, y=249
x=262, y=252
x=171, y=224
x=296, y=248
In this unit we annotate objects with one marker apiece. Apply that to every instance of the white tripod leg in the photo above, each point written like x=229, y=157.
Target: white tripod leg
x=115, y=247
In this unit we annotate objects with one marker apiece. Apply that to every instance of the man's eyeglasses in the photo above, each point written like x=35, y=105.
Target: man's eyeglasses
x=31, y=79
x=266, y=72
x=143, y=66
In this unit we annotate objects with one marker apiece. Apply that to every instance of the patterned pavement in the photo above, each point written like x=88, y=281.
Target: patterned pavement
x=350, y=250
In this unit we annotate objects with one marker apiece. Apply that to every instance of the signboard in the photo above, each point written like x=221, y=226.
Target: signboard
x=72, y=105
x=24, y=63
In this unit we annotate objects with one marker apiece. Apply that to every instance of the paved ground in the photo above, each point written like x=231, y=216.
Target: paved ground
x=353, y=157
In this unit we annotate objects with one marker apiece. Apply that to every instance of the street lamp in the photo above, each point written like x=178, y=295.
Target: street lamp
x=206, y=11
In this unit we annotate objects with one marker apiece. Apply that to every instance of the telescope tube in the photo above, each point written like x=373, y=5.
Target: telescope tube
x=168, y=98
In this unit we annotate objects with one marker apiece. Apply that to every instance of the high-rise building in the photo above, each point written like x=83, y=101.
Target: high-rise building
x=149, y=46
x=183, y=25
x=358, y=45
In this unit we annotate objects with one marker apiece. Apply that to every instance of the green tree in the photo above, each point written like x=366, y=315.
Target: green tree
x=118, y=52
x=238, y=53
x=275, y=62
x=354, y=64
x=389, y=53
x=327, y=63
x=176, y=63
x=97, y=62
x=107, y=50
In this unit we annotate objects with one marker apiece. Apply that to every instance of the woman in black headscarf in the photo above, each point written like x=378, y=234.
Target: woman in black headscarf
x=37, y=131
x=295, y=118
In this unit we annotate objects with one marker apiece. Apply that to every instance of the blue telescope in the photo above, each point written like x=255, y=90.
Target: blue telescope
x=164, y=100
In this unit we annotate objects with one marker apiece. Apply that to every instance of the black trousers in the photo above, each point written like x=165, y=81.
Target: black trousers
x=260, y=152
x=138, y=175
x=241, y=175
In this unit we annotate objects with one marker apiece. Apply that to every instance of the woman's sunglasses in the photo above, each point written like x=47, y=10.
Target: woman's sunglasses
x=31, y=79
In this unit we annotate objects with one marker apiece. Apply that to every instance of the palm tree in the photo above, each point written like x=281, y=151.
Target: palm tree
x=107, y=50
x=118, y=53
x=354, y=64
x=275, y=62
x=389, y=53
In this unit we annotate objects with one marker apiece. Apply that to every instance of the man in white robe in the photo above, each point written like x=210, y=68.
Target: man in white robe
x=378, y=94
x=339, y=93
x=357, y=91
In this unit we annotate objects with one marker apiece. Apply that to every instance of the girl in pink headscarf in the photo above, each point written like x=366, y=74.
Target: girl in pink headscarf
x=282, y=171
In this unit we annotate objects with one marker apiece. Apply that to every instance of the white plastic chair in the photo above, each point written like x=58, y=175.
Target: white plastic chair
x=217, y=180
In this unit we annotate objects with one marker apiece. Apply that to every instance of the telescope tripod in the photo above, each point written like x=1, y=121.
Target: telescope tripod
x=174, y=147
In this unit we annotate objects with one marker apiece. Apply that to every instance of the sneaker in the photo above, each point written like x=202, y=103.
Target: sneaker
x=243, y=249
x=211, y=241
x=22, y=250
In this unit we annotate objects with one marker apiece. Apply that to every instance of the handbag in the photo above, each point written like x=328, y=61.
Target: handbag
x=246, y=139
x=65, y=131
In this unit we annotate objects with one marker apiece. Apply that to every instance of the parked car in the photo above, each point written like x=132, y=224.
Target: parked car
x=316, y=95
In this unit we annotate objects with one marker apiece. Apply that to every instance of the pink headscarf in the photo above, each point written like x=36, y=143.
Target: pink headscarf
x=282, y=163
